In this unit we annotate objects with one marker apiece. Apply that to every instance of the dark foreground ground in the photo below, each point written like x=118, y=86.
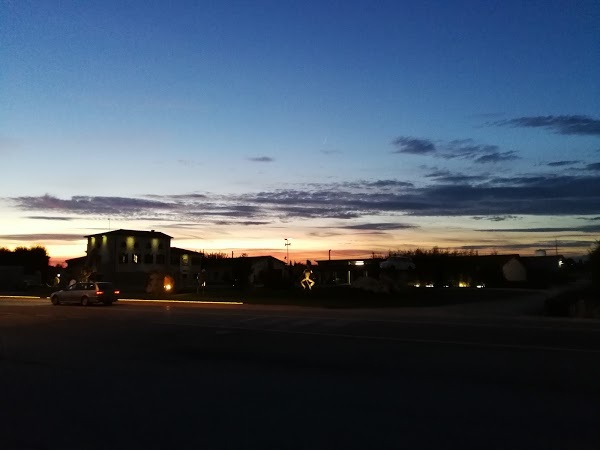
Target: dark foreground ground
x=154, y=376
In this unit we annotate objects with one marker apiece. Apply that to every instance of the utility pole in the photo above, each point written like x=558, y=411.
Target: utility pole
x=287, y=249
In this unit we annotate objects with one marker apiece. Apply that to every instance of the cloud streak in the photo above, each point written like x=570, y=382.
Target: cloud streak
x=465, y=149
x=379, y=226
x=261, y=159
x=562, y=163
x=414, y=146
x=447, y=194
x=566, y=124
x=43, y=237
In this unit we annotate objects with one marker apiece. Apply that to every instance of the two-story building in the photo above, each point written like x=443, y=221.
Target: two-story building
x=127, y=256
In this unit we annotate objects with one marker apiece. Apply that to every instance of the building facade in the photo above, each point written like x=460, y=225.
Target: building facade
x=127, y=256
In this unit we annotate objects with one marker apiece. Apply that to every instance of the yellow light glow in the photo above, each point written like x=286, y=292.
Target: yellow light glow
x=463, y=284
x=203, y=302
x=168, y=287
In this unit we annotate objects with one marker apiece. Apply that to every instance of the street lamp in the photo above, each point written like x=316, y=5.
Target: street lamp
x=287, y=249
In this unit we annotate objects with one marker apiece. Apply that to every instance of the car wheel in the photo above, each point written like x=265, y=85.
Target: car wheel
x=55, y=300
x=85, y=301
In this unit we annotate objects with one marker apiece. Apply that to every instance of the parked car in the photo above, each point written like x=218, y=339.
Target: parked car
x=398, y=263
x=86, y=293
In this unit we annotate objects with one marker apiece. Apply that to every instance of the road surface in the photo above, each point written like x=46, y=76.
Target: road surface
x=169, y=375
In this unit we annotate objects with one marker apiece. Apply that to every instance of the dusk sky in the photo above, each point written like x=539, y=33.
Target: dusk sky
x=350, y=126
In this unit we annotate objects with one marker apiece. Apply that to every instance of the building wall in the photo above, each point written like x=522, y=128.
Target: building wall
x=128, y=258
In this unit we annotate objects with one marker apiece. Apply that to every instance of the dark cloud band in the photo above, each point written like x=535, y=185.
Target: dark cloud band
x=567, y=124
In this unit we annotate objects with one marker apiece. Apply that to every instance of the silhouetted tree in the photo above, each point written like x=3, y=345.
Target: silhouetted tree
x=216, y=255
x=34, y=259
x=594, y=262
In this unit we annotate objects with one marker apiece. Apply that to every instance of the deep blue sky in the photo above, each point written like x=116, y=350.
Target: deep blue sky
x=358, y=126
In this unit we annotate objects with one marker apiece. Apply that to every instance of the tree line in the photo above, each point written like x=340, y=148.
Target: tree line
x=32, y=259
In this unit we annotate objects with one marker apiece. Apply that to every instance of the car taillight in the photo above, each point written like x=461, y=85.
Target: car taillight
x=99, y=292
x=117, y=292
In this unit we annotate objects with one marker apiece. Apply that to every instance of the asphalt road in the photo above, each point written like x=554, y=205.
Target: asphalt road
x=170, y=375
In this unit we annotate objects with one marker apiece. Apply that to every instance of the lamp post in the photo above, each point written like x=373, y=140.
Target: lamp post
x=287, y=249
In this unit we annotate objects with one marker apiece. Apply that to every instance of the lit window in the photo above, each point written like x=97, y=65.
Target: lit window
x=135, y=258
x=123, y=258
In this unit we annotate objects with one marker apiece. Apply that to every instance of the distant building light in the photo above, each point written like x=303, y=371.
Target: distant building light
x=359, y=263
x=560, y=263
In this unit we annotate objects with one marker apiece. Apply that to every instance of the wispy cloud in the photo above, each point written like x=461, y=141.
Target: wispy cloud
x=496, y=157
x=242, y=222
x=470, y=150
x=374, y=185
x=331, y=152
x=593, y=166
x=562, y=163
x=445, y=176
x=565, y=124
x=379, y=226
x=188, y=162
x=466, y=149
x=52, y=218
x=43, y=237
x=415, y=146
x=89, y=205
x=261, y=159
x=582, y=229
x=548, y=245
x=495, y=218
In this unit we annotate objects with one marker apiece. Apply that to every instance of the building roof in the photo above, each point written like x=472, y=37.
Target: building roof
x=256, y=258
x=183, y=251
x=76, y=261
x=121, y=232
